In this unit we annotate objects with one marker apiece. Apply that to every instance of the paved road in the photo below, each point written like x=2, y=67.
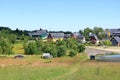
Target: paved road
x=91, y=51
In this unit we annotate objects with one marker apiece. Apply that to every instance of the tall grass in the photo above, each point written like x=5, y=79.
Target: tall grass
x=31, y=73
x=95, y=72
x=78, y=69
x=18, y=48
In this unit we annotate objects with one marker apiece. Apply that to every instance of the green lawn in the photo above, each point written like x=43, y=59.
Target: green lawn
x=78, y=68
x=65, y=68
x=18, y=48
x=96, y=71
x=31, y=73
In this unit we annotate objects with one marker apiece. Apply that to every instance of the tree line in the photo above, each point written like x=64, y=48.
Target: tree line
x=69, y=46
x=100, y=32
x=58, y=49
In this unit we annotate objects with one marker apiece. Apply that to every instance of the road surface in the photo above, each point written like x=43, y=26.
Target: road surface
x=92, y=51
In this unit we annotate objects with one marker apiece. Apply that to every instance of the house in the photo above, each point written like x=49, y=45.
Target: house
x=78, y=36
x=66, y=36
x=113, y=32
x=93, y=38
x=39, y=34
x=115, y=41
x=55, y=36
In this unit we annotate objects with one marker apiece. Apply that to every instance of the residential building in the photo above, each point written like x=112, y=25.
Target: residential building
x=39, y=34
x=113, y=32
x=66, y=36
x=93, y=38
x=78, y=36
x=115, y=41
x=55, y=36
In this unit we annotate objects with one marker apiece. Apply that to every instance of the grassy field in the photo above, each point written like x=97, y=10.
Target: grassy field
x=66, y=68
x=18, y=48
x=32, y=67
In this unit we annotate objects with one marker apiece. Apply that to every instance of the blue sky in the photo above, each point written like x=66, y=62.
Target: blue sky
x=65, y=15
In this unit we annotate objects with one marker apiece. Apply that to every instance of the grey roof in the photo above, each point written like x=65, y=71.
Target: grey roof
x=38, y=32
x=78, y=35
x=93, y=35
x=117, y=39
x=67, y=35
x=113, y=31
x=57, y=35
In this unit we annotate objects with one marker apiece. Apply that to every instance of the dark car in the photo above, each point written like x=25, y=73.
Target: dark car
x=19, y=56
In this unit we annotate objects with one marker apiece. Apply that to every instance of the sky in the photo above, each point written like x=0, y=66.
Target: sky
x=59, y=15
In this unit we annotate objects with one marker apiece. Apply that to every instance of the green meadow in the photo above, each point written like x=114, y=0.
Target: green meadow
x=78, y=68
x=32, y=67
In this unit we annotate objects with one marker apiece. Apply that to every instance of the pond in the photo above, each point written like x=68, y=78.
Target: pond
x=110, y=58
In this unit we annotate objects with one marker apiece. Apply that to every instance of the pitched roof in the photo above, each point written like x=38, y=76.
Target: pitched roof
x=93, y=35
x=67, y=35
x=38, y=32
x=57, y=35
x=78, y=35
x=117, y=39
x=113, y=31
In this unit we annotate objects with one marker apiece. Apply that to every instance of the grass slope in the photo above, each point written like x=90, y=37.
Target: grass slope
x=18, y=48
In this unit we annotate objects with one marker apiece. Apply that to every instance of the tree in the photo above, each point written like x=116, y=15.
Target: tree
x=53, y=51
x=81, y=32
x=31, y=49
x=102, y=35
x=97, y=30
x=59, y=43
x=61, y=51
x=72, y=53
x=81, y=48
x=49, y=47
x=70, y=43
x=39, y=44
x=5, y=47
x=12, y=38
x=86, y=33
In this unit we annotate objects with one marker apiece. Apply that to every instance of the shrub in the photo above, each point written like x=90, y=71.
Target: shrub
x=5, y=47
x=61, y=50
x=72, y=53
x=31, y=49
x=107, y=43
x=50, y=48
x=39, y=44
x=59, y=43
x=81, y=48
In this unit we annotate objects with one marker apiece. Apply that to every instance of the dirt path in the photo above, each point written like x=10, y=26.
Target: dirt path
x=101, y=50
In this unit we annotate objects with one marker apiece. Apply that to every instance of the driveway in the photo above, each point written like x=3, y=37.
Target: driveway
x=93, y=51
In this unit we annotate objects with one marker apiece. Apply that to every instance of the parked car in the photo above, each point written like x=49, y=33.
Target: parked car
x=20, y=56
x=46, y=55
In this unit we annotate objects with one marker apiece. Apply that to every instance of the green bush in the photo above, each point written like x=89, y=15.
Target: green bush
x=39, y=44
x=81, y=48
x=5, y=47
x=107, y=43
x=31, y=49
x=61, y=51
x=53, y=51
x=72, y=53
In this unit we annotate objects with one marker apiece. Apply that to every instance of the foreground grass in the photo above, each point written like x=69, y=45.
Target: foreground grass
x=44, y=70
x=31, y=73
x=77, y=68
x=95, y=71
